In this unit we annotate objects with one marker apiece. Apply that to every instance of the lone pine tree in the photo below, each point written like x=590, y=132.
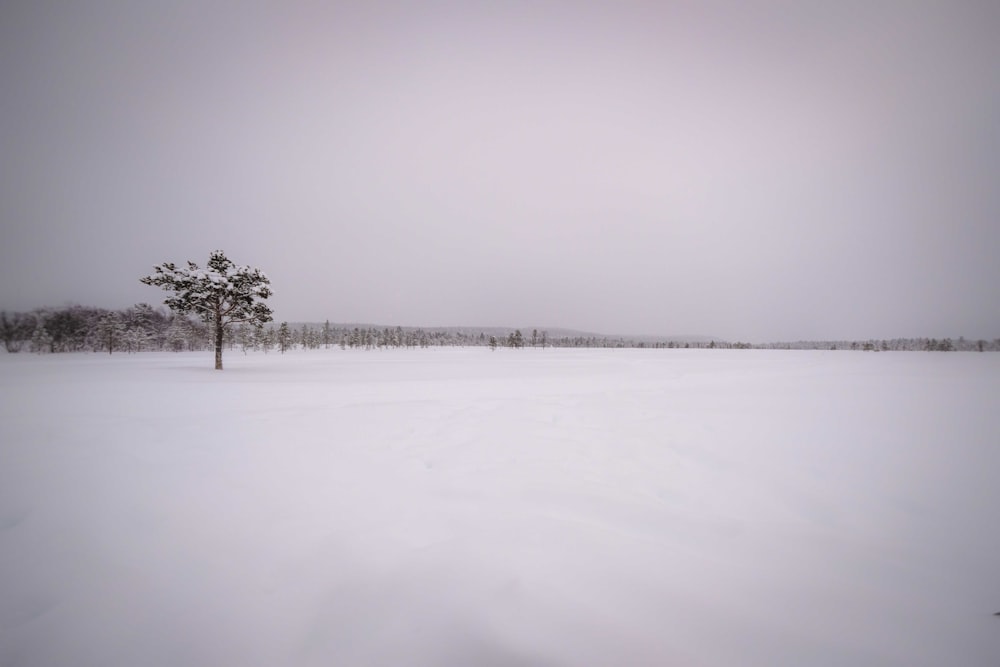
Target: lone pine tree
x=222, y=294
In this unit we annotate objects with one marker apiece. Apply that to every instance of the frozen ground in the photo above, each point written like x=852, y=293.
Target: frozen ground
x=470, y=508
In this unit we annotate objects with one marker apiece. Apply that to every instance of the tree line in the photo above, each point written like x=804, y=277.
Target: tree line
x=142, y=327
x=223, y=306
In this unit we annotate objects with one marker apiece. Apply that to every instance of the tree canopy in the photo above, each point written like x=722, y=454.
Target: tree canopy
x=222, y=293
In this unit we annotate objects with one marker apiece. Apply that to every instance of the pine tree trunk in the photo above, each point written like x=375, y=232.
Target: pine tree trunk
x=218, y=341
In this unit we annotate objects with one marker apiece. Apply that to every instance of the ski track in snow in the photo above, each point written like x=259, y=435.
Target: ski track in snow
x=531, y=507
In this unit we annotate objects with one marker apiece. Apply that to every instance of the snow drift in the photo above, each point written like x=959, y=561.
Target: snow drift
x=465, y=507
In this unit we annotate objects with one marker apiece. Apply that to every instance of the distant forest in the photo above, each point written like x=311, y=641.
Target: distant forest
x=142, y=328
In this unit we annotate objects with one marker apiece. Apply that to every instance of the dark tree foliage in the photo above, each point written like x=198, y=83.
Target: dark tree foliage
x=16, y=330
x=68, y=329
x=222, y=294
x=284, y=337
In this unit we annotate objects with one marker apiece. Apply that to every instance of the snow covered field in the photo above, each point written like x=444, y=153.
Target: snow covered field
x=463, y=507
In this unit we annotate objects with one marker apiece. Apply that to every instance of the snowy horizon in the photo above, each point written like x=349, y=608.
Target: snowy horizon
x=556, y=331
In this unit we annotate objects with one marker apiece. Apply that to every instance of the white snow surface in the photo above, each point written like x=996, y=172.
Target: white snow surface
x=469, y=507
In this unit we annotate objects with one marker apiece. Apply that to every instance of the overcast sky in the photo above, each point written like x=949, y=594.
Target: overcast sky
x=752, y=171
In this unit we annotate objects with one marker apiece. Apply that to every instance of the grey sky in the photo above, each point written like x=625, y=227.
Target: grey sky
x=752, y=171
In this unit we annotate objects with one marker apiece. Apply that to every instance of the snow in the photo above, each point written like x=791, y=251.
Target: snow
x=469, y=507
